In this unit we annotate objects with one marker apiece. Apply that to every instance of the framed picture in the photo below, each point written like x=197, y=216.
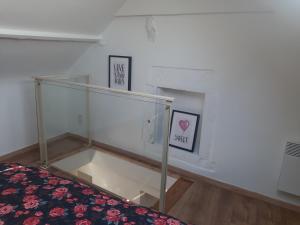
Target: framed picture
x=120, y=72
x=184, y=128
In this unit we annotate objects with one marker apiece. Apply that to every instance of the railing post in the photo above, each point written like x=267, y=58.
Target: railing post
x=88, y=113
x=164, y=167
x=40, y=124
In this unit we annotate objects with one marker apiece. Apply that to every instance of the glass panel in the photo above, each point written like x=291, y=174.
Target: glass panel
x=65, y=119
x=123, y=129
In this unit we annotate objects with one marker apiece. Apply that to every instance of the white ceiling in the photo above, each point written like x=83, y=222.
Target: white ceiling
x=157, y=7
x=283, y=11
x=35, y=58
x=85, y=20
x=85, y=17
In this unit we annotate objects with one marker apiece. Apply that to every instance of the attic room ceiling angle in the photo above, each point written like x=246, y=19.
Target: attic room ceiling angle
x=59, y=20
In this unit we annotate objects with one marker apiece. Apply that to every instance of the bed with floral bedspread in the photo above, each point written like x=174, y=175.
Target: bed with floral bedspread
x=32, y=196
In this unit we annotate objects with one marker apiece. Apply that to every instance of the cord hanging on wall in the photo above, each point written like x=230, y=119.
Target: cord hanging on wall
x=151, y=28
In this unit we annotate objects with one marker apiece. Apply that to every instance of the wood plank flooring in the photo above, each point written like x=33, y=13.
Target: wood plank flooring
x=205, y=204
x=202, y=203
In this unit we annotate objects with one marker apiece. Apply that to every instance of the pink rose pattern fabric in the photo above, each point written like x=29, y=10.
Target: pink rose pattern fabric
x=31, y=196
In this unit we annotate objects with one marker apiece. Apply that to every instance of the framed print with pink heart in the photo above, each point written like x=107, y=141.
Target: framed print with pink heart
x=184, y=127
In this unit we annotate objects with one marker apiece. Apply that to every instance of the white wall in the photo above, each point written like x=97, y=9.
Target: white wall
x=257, y=82
x=17, y=114
x=19, y=61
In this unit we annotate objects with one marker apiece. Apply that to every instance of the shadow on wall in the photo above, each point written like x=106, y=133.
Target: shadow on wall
x=19, y=61
x=28, y=57
x=28, y=111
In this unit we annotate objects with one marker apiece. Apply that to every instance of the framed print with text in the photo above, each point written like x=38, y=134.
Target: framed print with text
x=184, y=127
x=120, y=72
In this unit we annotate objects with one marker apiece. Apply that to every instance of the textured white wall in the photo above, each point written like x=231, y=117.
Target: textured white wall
x=256, y=66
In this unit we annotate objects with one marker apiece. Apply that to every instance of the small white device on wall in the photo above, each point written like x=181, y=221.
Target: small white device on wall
x=289, y=180
x=151, y=28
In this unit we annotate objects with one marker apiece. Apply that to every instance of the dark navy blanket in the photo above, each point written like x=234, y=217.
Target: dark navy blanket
x=32, y=196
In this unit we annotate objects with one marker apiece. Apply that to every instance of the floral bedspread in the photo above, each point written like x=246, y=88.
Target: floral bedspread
x=32, y=196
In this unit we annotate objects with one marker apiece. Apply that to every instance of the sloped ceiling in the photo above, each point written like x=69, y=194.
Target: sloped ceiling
x=50, y=20
x=286, y=12
x=158, y=7
x=81, y=17
x=34, y=58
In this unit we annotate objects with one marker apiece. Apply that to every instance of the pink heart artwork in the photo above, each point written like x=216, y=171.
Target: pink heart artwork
x=184, y=124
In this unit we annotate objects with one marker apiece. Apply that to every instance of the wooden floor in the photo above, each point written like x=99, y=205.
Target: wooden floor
x=205, y=204
x=201, y=202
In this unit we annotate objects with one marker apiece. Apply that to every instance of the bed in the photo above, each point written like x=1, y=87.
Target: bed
x=32, y=196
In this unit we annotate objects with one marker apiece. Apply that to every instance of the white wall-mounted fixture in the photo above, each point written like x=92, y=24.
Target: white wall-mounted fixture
x=289, y=180
x=151, y=28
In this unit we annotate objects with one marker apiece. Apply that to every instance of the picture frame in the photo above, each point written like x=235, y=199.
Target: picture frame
x=183, y=130
x=119, y=72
